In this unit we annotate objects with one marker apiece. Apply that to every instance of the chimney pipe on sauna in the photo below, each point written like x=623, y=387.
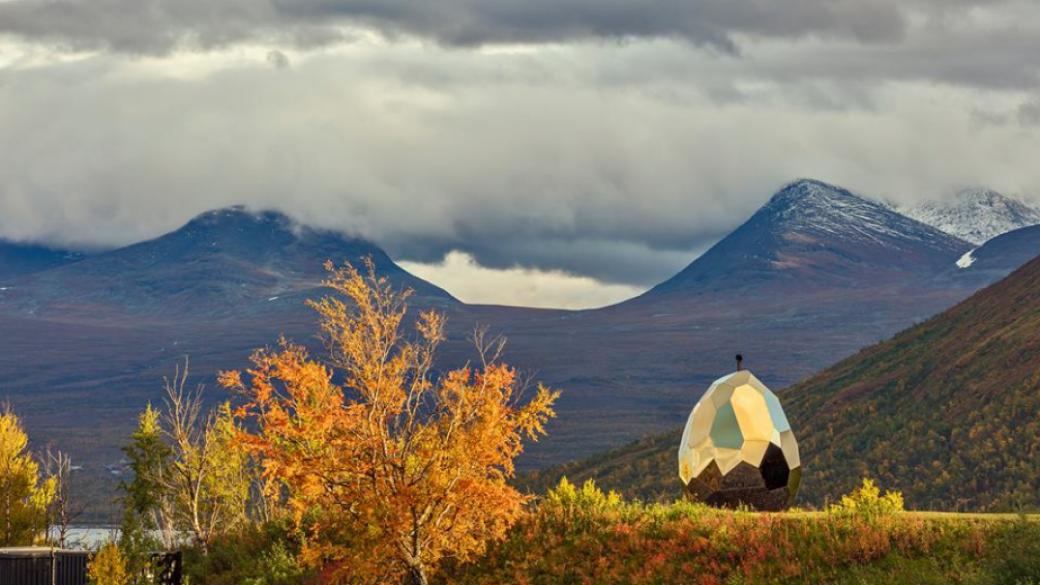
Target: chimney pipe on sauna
x=740, y=362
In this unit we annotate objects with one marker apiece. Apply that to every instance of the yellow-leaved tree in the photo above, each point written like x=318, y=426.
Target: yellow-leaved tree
x=389, y=468
x=24, y=498
x=108, y=567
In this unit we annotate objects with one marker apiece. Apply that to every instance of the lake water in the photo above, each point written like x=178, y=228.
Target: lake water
x=87, y=537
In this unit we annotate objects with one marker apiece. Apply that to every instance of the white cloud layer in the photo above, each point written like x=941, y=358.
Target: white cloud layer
x=559, y=153
x=470, y=282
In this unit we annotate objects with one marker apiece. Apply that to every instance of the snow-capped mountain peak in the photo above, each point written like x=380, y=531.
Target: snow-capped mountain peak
x=976, y=215
x=811, y=231
x=811, y=206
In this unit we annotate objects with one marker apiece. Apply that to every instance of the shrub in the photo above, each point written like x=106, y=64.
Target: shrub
x=583, y=535
x=108, y=567
x=867, y=502
x=1017, y=558
x=579, y=508
x=253, y=555
x=406, y=464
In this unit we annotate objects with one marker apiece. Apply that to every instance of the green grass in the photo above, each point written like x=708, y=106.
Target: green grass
x=932, y=515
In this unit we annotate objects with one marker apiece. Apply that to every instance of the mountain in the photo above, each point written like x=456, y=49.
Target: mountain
x=20, y=259
x=948, y=412
x=227, y=261
x=817, y=273
x=86, y=344
x=813, y=276
x=814, y=234
x=976, y=215
x=996, y=258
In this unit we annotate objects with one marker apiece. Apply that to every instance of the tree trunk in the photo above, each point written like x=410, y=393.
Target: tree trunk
x=415, y=576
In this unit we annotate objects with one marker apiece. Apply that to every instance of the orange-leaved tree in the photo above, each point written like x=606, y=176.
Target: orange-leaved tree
x=387, y=466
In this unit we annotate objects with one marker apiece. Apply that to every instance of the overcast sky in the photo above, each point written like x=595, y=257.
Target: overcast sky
x=544, y=152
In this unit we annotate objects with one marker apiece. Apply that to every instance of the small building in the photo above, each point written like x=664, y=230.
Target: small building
x=37, y=565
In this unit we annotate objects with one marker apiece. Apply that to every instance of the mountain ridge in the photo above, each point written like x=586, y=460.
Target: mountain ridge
x=996, y=258
x=217, y=263
x=976, y=215
x=811, y=229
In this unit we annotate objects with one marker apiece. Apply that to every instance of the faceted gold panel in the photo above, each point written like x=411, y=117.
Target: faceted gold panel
x=737, y=447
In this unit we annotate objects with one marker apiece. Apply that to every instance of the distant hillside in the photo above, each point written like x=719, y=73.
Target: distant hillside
x=947, y=411
x=997, y=257
x=223, y=262
x=20, y=259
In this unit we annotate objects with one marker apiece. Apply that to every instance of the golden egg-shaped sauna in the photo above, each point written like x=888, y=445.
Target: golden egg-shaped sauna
x=738, y=448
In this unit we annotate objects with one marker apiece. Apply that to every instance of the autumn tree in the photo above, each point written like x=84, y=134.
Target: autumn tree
x=207, y=477
x=190, y=475
x=108, y=567
x=24, y=496
x=389, y=467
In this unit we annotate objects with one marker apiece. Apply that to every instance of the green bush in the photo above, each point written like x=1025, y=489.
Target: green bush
x=1016, y=558
x=255, y=555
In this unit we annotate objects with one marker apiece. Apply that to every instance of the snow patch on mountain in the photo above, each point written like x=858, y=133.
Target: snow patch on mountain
x=966, y=260
x=976, y=215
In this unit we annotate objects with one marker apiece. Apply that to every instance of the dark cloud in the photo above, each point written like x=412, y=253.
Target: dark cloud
x=157, y=26
x=985, y=43
x=561, y=159
x=619, y=161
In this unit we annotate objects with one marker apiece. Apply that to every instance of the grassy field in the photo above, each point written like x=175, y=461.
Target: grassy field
x=932, y=515
x=583, y=535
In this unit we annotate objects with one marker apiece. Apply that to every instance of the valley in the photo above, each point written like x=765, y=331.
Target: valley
x=816, y=274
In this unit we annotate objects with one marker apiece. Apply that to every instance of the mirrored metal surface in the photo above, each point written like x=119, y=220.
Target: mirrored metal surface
x=738, y=447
